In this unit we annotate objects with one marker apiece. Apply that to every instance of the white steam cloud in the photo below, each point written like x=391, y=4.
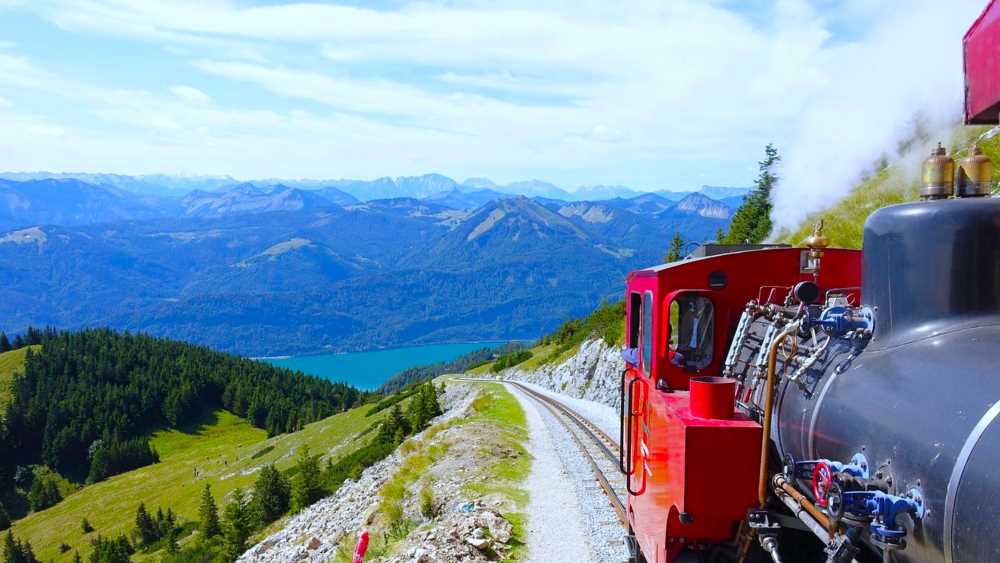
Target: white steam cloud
x=908, y=68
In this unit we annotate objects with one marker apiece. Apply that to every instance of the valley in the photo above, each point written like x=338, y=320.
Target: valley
x=276, y=270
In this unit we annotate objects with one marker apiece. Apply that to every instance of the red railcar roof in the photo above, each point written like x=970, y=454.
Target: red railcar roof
x=981, y=48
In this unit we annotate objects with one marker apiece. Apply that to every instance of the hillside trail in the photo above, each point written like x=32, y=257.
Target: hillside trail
x=569, y=519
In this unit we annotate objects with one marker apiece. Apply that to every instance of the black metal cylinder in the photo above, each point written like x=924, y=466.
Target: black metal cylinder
x=931, y=265
x=922, y=400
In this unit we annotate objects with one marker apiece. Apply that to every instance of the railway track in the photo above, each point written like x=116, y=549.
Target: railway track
x=599, y=449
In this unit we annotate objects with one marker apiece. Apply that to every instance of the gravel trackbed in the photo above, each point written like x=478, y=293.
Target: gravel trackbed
x=569, y=518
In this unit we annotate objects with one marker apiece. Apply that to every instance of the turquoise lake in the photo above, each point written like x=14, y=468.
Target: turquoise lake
x=368, y=370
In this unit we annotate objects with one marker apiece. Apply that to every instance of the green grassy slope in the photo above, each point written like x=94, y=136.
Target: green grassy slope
x=607, y=321
x=896, y=183
x=10, y=363
x=220, y=451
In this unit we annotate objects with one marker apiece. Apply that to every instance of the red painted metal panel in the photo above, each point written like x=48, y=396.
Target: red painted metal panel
x=982, y=67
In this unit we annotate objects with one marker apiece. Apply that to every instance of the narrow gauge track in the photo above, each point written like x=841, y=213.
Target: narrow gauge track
x=595, y=446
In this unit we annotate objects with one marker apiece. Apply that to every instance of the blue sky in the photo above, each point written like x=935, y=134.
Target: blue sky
x=667, y=94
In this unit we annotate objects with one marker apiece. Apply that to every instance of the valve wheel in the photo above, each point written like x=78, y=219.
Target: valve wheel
x=822, y=480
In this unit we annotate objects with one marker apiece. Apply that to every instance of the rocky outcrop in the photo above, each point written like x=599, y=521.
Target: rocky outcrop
x=480, y=534
x=593, y=373
x=316, y=533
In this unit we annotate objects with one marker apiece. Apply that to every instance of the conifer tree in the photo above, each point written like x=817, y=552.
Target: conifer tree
x=117, y=550
x=85, y=526
x=145, y=529
x=28, y=553
x=676, y=250
x=395, y=427
x=307, y=487
x=238, y=526
x=272, y=494
x=208, y=514
x=4, y=518
x=433, y=405
x=44, y=493
x=4, y=343
x=12, y=549
x=752, y=221
x=76, y=557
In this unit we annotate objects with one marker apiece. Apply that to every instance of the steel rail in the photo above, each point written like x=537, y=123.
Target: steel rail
x=594, y=434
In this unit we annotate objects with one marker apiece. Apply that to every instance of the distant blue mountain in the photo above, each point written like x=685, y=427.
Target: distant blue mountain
x=264, y=269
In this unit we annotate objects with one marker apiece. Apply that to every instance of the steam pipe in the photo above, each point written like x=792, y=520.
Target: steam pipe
x=798, y=503
x=802, y=509
x=770, y=545
x=765, y=441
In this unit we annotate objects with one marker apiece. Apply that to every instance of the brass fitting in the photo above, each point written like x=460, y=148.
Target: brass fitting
x=975, y=175
x=817, y=241
x=938, y=174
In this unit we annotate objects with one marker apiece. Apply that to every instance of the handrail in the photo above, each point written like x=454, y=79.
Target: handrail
x=621, y=423
x=630, y=461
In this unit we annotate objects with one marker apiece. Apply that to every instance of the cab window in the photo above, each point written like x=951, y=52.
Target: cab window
x=692, y=328
x=634, y=317
x=647, y=332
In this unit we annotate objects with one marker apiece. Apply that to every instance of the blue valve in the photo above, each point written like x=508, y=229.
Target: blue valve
x=840, y=320
x=884, y=508
x=858, y=467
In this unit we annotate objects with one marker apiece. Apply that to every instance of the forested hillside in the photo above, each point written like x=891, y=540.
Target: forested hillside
x=86, y=401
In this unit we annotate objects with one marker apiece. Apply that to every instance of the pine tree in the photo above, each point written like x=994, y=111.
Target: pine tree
x=720, y=235
x=76, y=557
x=146, y=530
x=208, y=514
x=117, y=550
x=433, y=405
x=752, y=221
x=239, y=525
x=28, y=553
x=307, y=487
x=85, y=526
x=272, y=494
x=44, y=493
x=12, y=549
x=676, y=251
x=4, y=343
x=394, y=427
x=4, y=518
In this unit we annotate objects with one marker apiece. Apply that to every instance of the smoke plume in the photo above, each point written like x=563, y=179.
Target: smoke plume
x=903, y=77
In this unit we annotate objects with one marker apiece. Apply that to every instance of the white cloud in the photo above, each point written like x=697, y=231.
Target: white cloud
x=642, y=92
x=191, y=94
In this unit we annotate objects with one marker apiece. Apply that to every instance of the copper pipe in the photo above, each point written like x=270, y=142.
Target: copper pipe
x=765, y=441
x=781, y=484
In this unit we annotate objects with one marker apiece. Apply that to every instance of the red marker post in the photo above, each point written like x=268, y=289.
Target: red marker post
x=359, y=552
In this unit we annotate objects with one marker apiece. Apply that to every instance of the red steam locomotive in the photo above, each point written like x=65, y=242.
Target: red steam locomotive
x=813, y=404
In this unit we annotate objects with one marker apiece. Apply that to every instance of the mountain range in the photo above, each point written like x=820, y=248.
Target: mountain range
x=273, y=268
x=420, y=187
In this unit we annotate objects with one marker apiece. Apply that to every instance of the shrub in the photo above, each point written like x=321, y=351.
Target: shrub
x=510, y=360
x=427, y=507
